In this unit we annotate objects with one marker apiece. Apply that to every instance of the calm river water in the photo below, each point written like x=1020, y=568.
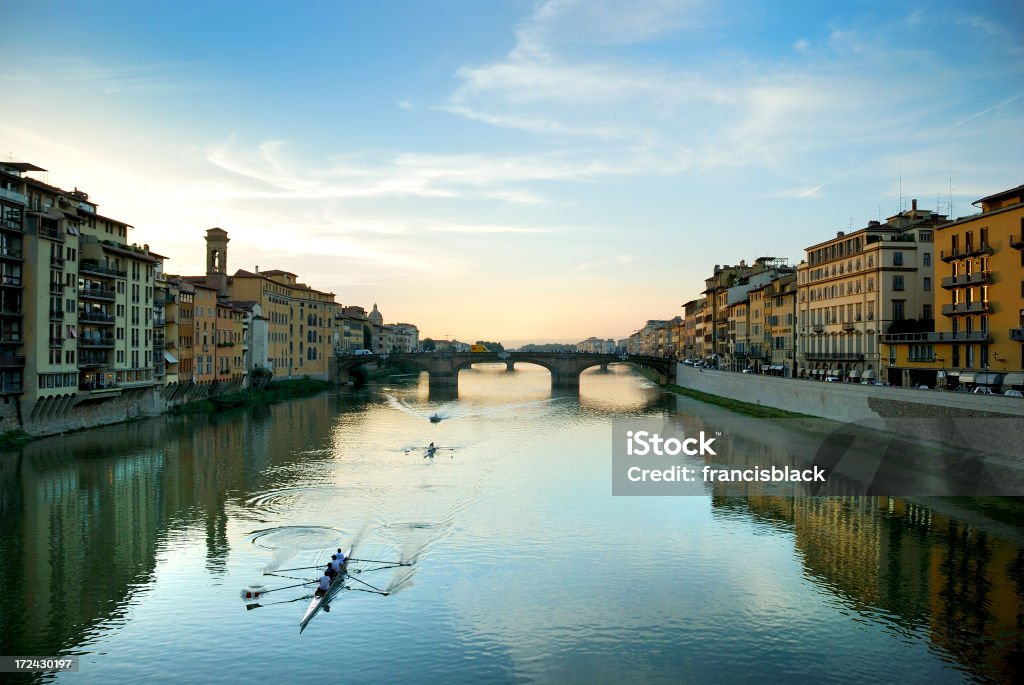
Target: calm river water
x=129, y=546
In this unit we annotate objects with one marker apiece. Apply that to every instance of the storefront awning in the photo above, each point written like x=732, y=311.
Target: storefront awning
x=967, y=377
x=988, y=378
x=170, y=358
x=1014, y=379
x=855, y=373
x=870, y=373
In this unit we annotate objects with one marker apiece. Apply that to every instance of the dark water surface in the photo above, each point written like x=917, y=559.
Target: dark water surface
x=129, y=546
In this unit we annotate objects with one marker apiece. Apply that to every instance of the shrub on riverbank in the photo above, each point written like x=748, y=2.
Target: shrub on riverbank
x=14, y=438
x=273, y=392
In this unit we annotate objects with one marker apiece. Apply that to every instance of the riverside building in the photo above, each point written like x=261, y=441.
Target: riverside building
x=978, y=337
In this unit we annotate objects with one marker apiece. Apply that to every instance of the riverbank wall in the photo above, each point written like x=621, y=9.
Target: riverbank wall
x=990, y=423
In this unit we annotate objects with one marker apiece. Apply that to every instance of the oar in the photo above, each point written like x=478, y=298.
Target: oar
x=378, y=561
x=375, y=589
x=297, y=568
x=256, y=592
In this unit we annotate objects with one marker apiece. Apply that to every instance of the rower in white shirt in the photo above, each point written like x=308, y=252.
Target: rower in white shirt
x=325, y=584
x=336, y=563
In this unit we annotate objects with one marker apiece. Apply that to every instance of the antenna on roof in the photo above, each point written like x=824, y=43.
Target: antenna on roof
x=900, y=208
x=950, y=188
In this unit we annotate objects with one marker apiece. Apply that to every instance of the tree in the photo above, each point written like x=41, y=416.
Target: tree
x=428, y=344
x=491, y=346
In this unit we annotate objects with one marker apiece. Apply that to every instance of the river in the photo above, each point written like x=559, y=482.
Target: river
x=130, y=545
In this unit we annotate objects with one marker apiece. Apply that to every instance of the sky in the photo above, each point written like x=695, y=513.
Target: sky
x=513, y=171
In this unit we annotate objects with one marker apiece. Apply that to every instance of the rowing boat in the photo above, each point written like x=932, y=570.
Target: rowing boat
x=322, y=602
x=430, y=451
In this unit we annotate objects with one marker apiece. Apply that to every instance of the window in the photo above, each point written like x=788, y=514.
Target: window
x=897, y=259
x=897, y=310
x=897, y=282
x=926, y=259
x=927, y=284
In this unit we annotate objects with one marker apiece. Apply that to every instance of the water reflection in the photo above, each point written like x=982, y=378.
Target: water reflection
x=527, y=568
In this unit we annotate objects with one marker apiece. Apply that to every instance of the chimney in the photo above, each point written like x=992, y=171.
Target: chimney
x=913, y=205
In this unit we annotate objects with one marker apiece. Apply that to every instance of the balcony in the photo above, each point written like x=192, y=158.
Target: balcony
x=100, y=388
x=9, y=362
x=56, y=314
x=1017, y=334
x=96, y=317
x=92, y=359
x=102, y=342
x=976, y=278
x=921, y=358
x=89, y=266
x=14, y=195
x=937, y=337
x=966, y=308
x=848, y=325
x=11, y=253
x=949, y=256
x=56, y=261
x=159, y=321
x=56, y=342
x=51, y=233
x=1017, y=242
x=158, y=341
x=10, y=310
x=10, y=338
x=96, y=293
x=56, y=288
x=11, y=387
x=818, y=328
x=982, y=248
x=10, y=281
x=835, y=356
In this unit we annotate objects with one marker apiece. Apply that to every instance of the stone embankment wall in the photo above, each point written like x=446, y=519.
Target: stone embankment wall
x=958, y=419
x=76, y=410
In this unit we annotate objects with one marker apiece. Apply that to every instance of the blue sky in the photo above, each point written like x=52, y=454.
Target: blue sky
x=513, y=171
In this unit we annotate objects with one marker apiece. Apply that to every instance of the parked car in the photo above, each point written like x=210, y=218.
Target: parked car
x=748, y=370
x=360, y=353
x=923, y=387
x=831, y=379
x=1014, y=393
x=983, y=390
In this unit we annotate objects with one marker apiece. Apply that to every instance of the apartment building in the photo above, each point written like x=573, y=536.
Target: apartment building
x=857, y=286
x=978, y=336
x=75, y=294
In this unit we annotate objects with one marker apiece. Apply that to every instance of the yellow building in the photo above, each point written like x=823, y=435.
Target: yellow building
x=979, y=332
x=860, y=285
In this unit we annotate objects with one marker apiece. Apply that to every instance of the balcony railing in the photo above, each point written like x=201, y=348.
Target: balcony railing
x=10, y=362
x=57, y=261
x=1017, y=334
x=56, y=288
x=10, y=338
x=920, y=358
x=979, y=307
x=159, y=321
x=97, y=293
x=818, y=328
x=101, y=342
x=848, y=325
x=92, y=267
x=56, y=342
x=982, y=248
x=937, y=337
x=10, y=253
x=835, y=356
x=976, y=278
x=51, y=233
x=95, y=317
x=13, y=195
x=10, y=281
x=10, y=310
x=92, y=359
x=158, y=341
x=1017, y=242
x=57, y=314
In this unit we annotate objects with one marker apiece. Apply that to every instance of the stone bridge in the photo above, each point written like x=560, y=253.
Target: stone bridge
x=443, y=367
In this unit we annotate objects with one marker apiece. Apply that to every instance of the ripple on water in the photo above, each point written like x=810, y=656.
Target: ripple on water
x=297, y=537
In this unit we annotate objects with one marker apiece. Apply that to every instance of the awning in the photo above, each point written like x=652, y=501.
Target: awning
x=1014, y=379
x=988, y=378
x=169, y=358
x=967, y=377
x=855, y=374
x=870, y=373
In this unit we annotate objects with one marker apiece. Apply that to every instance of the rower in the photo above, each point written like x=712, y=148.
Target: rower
x=330, y=572
x=325, y=584
x=335, y=563
x=341, y=558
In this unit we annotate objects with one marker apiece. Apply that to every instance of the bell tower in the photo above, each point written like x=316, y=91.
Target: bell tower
x=217, y=259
